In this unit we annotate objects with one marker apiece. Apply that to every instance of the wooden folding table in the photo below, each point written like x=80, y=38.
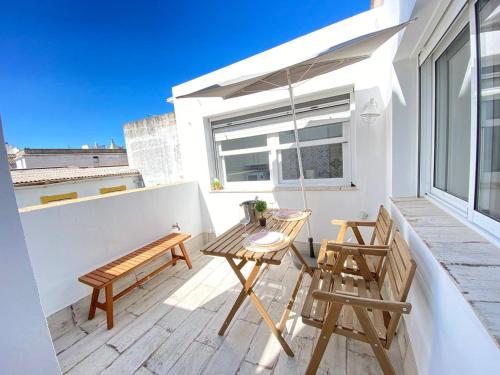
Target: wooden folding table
x=230, y=246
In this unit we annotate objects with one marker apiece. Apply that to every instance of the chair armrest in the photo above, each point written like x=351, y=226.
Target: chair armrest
x=353, y=223
x=341, y=222
x=360, y=246
x=343, y=299
x=355, y=249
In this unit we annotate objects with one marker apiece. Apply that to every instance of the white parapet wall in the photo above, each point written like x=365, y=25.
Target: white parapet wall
x=446, y=335
x=68, y=239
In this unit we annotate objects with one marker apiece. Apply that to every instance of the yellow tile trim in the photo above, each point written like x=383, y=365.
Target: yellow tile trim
x=112, y=189
x=59, y=197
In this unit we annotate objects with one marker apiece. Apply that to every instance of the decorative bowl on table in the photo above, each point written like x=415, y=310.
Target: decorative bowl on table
x=290, y=214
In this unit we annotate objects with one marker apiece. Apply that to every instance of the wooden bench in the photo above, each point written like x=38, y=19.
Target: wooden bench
x=364, y=310
x=105, y=276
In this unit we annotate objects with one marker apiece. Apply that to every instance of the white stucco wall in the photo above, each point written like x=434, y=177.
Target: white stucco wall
x=25, y=343
x=371, y=78
x=68, y=239
x=30, y=195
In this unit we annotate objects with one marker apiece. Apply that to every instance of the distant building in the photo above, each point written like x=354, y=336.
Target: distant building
x=39, y=186
x=113, y=145
x=30, y=158
x=11, y=149
x=11, y=155
x=153, y=148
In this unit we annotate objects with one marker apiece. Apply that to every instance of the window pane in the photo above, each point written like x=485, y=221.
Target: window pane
x=488, y=179
x=242, y=143
x=312, y=133
x=247, y=167
x=323, y=161
x=452, y=135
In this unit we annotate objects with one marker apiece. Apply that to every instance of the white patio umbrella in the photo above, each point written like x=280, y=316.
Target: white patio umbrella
x=334, y=58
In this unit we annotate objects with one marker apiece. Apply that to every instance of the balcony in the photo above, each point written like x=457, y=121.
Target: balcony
x=170, y=326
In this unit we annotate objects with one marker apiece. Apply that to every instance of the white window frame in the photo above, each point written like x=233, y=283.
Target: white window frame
x=273, y=147
x=241, y=184
x=434, y=49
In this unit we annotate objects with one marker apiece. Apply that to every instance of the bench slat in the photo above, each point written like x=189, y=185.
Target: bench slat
x=92, y=282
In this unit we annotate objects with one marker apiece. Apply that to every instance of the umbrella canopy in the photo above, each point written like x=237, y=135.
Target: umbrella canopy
x=334, y=58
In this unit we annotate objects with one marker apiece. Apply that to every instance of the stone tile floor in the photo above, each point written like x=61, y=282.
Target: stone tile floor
x=169, y=326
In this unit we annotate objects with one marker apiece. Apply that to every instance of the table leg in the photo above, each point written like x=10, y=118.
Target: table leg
x=243, y=294
x=247, y=286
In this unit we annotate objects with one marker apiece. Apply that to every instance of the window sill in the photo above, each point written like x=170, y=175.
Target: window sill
x=280, y=188
x=472, y=262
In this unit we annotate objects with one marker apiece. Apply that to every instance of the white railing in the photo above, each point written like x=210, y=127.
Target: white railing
x=67, y=239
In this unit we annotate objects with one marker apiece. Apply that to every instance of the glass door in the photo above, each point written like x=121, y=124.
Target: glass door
x=488, y=166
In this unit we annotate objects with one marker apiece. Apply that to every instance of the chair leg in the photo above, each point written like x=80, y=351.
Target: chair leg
x=186, y=255
x=109, y=305
x=93, y=303
x=324, y=338
x=374, y=341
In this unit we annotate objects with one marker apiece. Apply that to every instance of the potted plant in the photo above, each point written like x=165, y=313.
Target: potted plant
x=216, y=184
x=261, y=207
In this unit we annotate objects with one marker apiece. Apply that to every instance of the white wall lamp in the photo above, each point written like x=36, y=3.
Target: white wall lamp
x=370, y=112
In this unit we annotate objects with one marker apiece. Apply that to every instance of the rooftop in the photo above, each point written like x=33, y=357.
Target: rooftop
x=40, y=176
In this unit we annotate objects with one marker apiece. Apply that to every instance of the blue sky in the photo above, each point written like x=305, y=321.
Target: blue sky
x=73, y=72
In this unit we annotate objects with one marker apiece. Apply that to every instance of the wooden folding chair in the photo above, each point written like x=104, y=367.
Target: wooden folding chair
x=328, y=258
x=367, y=311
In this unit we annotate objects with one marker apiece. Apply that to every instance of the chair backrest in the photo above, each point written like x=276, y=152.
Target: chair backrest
x=398, y=270
x=383, y=228
x=381, y=234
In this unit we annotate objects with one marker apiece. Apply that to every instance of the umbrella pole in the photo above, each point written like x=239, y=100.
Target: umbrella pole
x=299, y=159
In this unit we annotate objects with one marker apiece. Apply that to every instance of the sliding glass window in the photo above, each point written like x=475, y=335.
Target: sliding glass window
x=452, y=118
x=488, y=176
